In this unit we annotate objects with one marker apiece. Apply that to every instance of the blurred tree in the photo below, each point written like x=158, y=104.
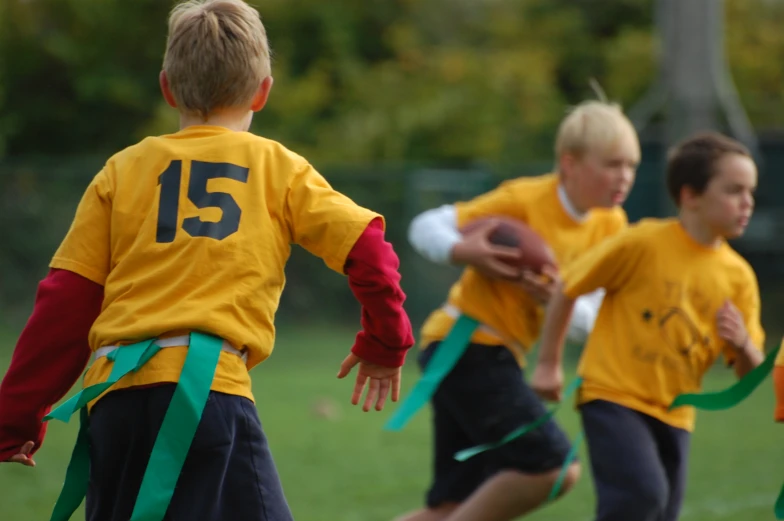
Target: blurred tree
x=755, y=50
x=448, y=81
x=81, y=75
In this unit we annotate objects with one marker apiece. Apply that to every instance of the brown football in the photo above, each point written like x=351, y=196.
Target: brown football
x=535, y=253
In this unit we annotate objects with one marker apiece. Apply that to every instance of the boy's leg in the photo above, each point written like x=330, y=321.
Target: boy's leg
x=453, y=481
x=674, y=454
x=487, y=398
x=242, y=480
x=120, y=445
x=629, y=477
x=228, y=475
x=439, y=513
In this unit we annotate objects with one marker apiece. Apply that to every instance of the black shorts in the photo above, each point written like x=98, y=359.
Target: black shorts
x=483, y=399
x=228, y=474
x=639, y=463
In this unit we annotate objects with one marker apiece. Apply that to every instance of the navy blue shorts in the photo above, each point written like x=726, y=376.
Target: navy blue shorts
x=639, y=463
x=483, y=399
x=228, y=475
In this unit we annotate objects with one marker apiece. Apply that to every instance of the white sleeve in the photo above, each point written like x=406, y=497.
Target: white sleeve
x=434, y=233
x=586, y=308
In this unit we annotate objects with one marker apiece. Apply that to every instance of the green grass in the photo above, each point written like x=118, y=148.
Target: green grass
x=347, y=469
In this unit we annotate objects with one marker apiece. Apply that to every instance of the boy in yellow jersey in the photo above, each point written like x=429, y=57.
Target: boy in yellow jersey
x=484, y=397
x=677, y=297
x=179, y=243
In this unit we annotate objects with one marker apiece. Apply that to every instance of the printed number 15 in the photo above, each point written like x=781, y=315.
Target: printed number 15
x=201, y=172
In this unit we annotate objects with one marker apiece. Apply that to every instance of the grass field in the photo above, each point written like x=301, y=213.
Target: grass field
x=345, y=468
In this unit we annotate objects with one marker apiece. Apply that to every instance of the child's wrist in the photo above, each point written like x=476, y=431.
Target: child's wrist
x=744, y=345
x=457, y=254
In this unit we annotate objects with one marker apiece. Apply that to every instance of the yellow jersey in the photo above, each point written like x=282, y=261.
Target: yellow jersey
x=191, y=232
x=656, y=335
x=514, y=317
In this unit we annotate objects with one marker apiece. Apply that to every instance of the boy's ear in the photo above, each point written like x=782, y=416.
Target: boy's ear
x=688, y=197
x=262, y=94
x=566, y=164
x=167, y=95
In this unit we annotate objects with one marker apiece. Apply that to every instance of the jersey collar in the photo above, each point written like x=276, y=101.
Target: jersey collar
x=568, y=207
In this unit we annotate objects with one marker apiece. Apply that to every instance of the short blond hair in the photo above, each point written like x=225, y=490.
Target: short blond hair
x=217, y=55
x=592, y=125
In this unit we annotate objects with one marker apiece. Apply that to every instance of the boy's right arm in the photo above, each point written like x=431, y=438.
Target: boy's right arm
x=434, y=234
x=49, y=357
x=607, y=266
x=53, y=348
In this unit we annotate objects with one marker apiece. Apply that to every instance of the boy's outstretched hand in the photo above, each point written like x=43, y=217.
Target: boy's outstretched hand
x=23, y=456
x=382, y=379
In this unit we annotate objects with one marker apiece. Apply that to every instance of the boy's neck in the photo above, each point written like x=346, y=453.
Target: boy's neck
x=567, y=201
x=696, y=228
x=236, y=120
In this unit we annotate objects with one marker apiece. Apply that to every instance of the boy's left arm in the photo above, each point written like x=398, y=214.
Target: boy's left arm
x=49, y=357
x=350, y=240
x=608, y=265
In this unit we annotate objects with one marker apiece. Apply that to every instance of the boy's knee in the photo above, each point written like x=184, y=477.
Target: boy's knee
x=439, y=513
x=644, y=503
x=547, y=481
x=570, y=479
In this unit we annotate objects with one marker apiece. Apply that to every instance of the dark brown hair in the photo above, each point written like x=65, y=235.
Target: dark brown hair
x=692, y=162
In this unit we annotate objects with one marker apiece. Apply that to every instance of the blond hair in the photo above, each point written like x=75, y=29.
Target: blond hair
x=217, y=55
x=592, y=125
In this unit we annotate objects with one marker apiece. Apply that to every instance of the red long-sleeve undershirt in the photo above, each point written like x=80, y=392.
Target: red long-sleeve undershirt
x=372, y=271
x=778, y=387
x=53, y=351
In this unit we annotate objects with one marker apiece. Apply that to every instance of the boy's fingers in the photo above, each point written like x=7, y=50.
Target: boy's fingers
x=348, y=363
x=533, y=291
x=551, y=394
x=487, y=227
x=503, y=270
x=24, y=455
x=27, y=448
x=531, y=277
x=550, y=271
x=505, y=252
x=396, y=387
x=372, y=394
x=383, y=392
x=359, y=387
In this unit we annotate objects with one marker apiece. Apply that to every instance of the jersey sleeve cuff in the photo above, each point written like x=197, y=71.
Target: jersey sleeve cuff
x=80, y=269
x=370, y=350
x=337, y=262
x=778, y=384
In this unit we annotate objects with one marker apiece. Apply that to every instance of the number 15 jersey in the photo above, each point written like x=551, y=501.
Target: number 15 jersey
x=191, y=231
